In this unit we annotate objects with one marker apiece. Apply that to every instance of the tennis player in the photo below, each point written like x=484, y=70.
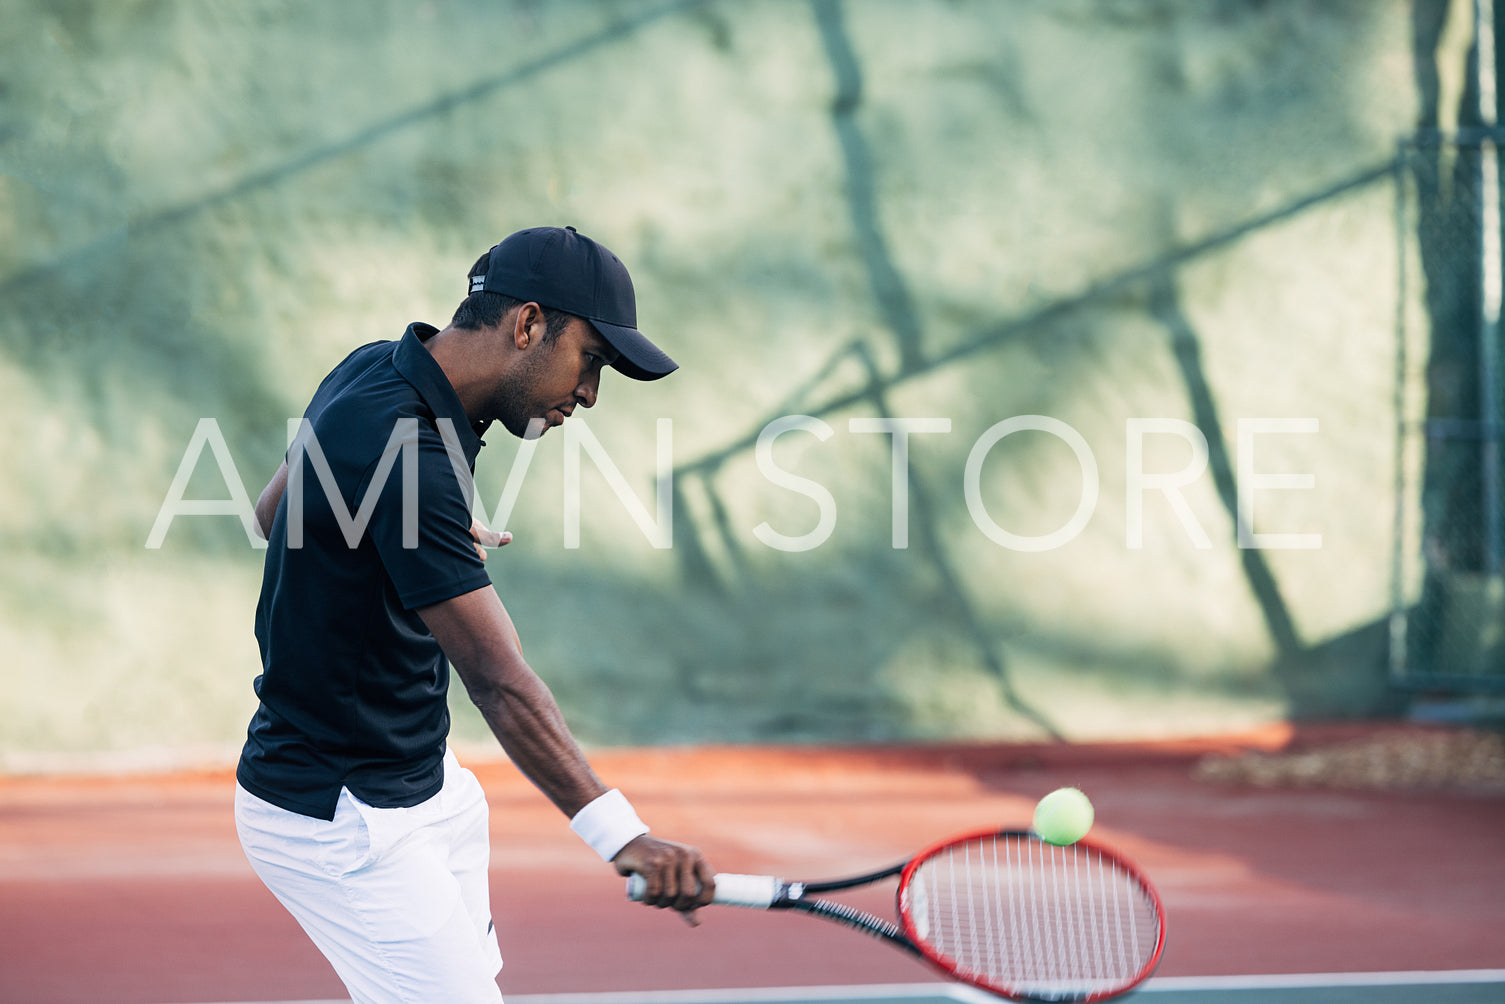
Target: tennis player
x=349, y=804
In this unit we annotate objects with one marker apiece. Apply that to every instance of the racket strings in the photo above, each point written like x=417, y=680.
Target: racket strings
x=1036, y=919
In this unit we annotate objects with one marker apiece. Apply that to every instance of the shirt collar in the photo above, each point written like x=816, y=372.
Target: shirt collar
x=420, y=369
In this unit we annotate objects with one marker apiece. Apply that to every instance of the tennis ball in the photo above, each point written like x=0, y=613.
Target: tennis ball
x=1063, y=817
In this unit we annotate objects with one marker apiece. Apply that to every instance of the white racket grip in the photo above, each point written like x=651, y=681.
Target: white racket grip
x=754, y=891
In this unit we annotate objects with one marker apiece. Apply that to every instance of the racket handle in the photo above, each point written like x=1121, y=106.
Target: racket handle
x=755, y=891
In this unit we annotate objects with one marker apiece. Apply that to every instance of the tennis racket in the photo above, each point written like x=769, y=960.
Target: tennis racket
x=1001, y=910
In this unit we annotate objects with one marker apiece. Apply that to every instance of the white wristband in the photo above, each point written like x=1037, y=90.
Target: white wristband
x=608, y=824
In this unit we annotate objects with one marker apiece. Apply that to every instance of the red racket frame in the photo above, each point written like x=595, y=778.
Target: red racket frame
x=951, y=967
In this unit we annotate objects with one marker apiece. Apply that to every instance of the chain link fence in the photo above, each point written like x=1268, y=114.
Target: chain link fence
x=1448, y=611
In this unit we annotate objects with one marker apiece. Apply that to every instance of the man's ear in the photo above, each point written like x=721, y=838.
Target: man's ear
x=524, y=321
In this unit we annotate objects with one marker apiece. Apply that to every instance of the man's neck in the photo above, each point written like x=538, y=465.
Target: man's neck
x=456, y=351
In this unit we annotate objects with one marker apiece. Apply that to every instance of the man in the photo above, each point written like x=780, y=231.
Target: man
x=348, y=803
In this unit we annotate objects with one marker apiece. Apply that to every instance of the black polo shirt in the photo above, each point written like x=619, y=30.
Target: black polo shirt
x=353, y=686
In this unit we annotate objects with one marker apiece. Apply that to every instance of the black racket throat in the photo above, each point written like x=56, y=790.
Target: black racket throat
x=797, y=896
x=884, y=930
x=837, y=885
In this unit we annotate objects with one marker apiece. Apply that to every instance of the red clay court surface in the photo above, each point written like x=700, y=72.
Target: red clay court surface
x=133, y=889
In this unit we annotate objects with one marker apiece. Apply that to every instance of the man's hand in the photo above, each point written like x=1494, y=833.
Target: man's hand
x=675, y=875
x=485, y=538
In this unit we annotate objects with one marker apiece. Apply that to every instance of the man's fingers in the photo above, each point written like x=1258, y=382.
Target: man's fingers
x=690, y=885
x=669, y=893
x=485, y=538
x=651, y=886
x=707, y=882
x=675, y=876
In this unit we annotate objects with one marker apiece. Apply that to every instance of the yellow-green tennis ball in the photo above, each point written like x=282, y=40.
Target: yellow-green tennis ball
x=1063, y=817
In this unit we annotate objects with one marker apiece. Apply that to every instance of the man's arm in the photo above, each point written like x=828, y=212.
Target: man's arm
x=478, y=637
x=266, y=505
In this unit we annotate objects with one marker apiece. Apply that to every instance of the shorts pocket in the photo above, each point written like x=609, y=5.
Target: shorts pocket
x=352, y=842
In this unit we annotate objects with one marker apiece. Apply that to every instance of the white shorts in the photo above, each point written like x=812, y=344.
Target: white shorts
x=396, y=899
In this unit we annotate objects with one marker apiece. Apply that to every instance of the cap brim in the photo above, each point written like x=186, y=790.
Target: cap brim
x=638, y=358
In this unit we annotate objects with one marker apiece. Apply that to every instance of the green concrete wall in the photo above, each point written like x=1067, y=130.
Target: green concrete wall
x=971, y=211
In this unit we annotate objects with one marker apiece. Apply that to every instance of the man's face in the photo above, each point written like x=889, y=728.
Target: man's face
x=552, y=378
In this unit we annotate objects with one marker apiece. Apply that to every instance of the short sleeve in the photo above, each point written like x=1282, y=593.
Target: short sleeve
x=420, y=524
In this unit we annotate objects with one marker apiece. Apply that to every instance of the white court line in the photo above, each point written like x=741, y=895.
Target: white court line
x=769, y=995
x=734, y=995
x=967, y=995
x=737, y=995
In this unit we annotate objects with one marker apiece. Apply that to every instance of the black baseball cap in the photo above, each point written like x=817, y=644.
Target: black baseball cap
x=558, y=268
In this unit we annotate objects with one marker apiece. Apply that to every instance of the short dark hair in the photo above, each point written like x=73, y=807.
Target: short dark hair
x=486, y=310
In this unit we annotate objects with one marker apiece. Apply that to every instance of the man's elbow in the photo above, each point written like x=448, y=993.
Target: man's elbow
x=263, y=517
x=496, y=703
x=493, y=685
x=265, y=509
